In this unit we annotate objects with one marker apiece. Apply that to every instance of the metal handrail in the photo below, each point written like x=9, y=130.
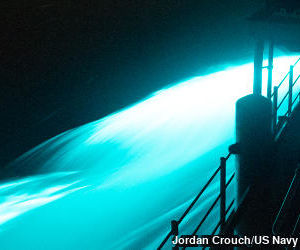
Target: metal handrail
x=296, y=80
x=296, y=62
x=223, y=186
x=211, y=208
x=285, y=96
x=289, y=94
x=278, y=86
x=219, y=223
x=199, y=195
x=297, y=96
x=289, y=196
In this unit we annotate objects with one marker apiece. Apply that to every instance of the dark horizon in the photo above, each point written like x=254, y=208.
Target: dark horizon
x=69, y=63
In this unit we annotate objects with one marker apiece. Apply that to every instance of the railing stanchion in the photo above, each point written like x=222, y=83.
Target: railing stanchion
x=275, y=99
x=233, y=149
x=270, y=69
x=222, y=193
x=258, y=63
x=174, y=231
x=290, y=90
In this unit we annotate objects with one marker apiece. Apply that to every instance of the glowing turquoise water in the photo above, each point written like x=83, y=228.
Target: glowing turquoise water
x=117, y=182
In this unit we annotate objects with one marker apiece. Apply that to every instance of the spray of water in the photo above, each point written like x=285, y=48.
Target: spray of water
x=117, y=182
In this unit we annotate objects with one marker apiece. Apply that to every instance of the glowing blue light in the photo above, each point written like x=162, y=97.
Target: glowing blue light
x=117, y=182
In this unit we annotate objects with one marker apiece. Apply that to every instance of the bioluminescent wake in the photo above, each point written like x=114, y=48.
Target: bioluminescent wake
x=117, y=182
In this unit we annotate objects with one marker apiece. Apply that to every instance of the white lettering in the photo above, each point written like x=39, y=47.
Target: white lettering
x=285, y=241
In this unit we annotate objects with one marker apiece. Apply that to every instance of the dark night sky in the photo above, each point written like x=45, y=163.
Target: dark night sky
x=64, y=63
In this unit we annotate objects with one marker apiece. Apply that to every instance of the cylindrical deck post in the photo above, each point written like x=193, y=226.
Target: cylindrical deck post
x=254, y=136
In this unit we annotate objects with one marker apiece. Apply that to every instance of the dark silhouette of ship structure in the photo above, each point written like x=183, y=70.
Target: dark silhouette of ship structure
x=267, y=149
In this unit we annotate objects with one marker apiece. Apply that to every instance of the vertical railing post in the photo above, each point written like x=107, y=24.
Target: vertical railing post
x=258, y=62
x=222, y=193
x=275, y=99
x=174, y=231
x=291, y=81
x=270, y=69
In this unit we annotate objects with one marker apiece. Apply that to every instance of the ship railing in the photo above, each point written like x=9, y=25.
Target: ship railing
x=221, y=198
x=288, y=210
x=279, y=122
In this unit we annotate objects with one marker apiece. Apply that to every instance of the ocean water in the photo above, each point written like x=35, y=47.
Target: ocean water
x=116, y=183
